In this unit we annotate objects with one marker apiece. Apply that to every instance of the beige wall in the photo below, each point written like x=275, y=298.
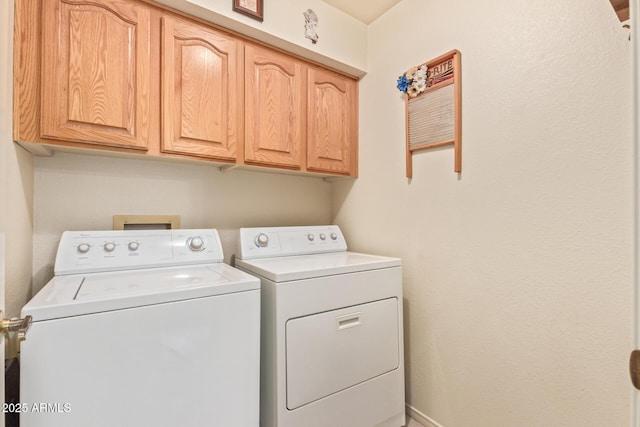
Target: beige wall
x=19, y=227
x=518, y=272
x=16, y=183
x=82, y=192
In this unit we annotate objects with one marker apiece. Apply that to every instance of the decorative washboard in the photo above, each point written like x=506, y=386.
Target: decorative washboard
x=433, y=107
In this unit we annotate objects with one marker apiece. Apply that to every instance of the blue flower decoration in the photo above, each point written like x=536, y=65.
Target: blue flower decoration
x=403, y=83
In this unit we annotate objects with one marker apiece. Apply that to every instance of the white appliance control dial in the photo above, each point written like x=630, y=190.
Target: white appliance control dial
x=83, y=248
x=262, y=240
x=133, y=246
x=109, y=247
x=334, y=236
x=196, y=244
x=311, y=237
x=323, y=236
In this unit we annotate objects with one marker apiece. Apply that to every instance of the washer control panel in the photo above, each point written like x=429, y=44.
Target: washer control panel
x=94, y=251
x=267, y=242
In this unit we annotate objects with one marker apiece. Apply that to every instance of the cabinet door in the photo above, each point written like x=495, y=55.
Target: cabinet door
x=200, y=92
x=274, y=108
x=95, y=73
x=332, y=125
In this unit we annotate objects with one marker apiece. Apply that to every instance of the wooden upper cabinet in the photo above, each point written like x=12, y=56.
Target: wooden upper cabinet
x=200, y=90
x=274, y=108
x=131, y=76
x=332, y=123
x=95, y=72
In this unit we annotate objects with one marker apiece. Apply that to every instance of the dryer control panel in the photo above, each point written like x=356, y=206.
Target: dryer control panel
x=267, y=242
x=109, y=250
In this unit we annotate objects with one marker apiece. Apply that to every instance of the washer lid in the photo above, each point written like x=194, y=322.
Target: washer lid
x=80, y=294
x=284, y=269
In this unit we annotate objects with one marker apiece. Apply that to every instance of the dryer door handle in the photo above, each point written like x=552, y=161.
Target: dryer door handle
x=348, y=321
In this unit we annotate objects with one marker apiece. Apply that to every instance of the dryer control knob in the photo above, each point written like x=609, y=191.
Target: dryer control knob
x=83, y=248
x=261, y=240
x=133, y=246
x=196, y=244
x=109, y=247
x=311, y=237
x=334, y=236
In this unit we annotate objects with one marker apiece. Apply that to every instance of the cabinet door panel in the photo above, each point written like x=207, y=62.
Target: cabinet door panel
x=199, y=91
x=95, y=74
x=274, y=108
x=332, y=137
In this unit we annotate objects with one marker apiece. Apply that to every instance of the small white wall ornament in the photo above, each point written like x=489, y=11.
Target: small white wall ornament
x=310, y=25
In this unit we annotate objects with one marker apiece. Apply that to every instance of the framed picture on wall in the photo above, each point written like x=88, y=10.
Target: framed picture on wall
x=251, y=8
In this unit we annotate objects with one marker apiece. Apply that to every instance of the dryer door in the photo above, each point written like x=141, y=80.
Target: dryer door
x=332, y=351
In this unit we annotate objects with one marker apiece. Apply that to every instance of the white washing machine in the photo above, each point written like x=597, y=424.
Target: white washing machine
x=142, y=328
x=331, y=346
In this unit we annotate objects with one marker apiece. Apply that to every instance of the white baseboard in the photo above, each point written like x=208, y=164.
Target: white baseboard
x=421, y=418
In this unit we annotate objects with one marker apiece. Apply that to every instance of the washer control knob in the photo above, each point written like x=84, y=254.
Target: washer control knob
x=311, y=237
x=334, y=236
x=83, y=248
x=323, y=236
x=109, y=247
x=262, y=240
x=133, y=246
x=196, y=244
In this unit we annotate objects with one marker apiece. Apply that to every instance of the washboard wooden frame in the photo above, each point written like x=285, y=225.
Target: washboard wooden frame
x=434, y=117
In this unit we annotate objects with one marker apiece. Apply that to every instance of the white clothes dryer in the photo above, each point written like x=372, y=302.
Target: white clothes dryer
x=142, y=328
x=331, y=324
